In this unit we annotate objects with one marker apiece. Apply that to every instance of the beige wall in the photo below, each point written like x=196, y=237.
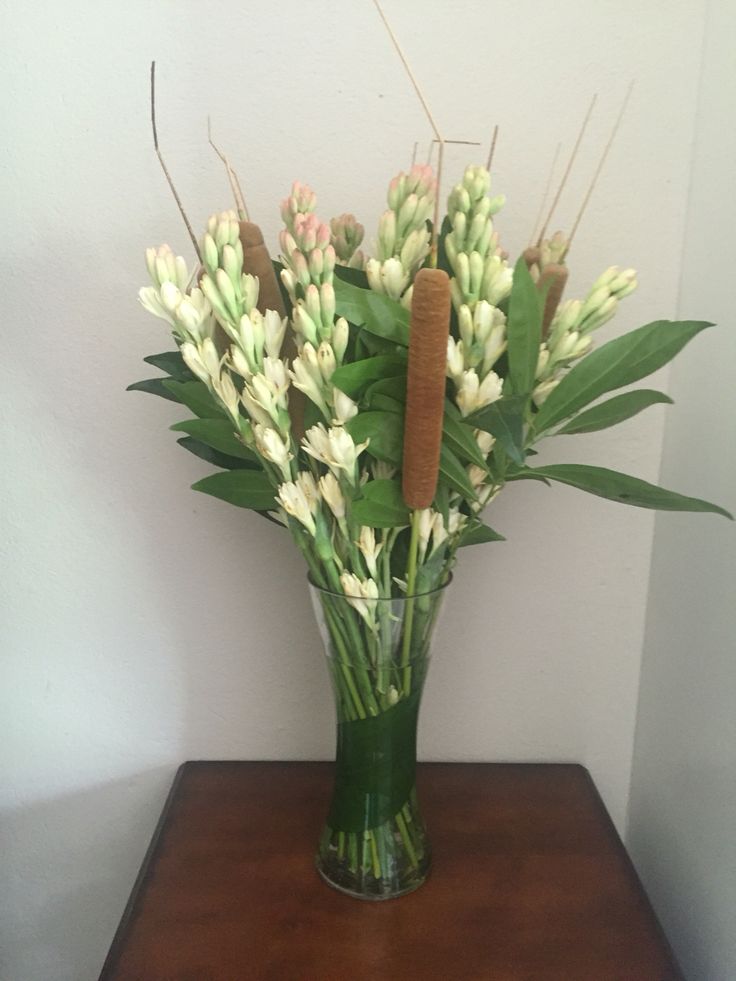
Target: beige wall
x=682, y=819
x=145, y=624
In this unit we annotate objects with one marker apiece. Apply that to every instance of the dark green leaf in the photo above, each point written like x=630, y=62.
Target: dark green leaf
x=477, y=533
x=196, y=397
x=384, y=403
x=217, y=433
x=381, y=505
x=620, y=362
x=172, y=363
x=460, y=439
x=523, y=330
x=394, y=387
x=385, y=430
x=154, y=386
x=620, y=487
x=613, y=411
x=504, y=419
x=452, y=470
x=353, y=378
x=217, y=459
x=245, y=488
x=356, y=277
x=377, y=313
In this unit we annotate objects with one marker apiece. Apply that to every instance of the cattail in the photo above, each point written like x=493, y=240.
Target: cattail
x=553, y=275
x=532, y=256
x=257, y=262
x=425, y=394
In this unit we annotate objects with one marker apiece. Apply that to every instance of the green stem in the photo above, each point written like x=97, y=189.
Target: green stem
x=406, y=838
x=411, y=579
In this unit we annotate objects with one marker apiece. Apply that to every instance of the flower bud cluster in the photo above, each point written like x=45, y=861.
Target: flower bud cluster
x=403, y=235
x=187, y=311
x=336, y=449
x=346, y=236
x=362, y=594
x=574, y=322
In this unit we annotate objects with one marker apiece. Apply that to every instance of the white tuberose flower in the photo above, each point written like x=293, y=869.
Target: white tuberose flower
x=474, y=394
x=273, y=448
x=330, y=490
x=362, y=595
x=294, y=502
x=367, y=545
x=334, y=447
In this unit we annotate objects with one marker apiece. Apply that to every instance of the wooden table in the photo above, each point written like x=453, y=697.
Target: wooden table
x=530, y=883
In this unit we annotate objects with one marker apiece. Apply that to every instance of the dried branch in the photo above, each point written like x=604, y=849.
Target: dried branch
x=493, y=147
x=167, y=175
x=232, y=177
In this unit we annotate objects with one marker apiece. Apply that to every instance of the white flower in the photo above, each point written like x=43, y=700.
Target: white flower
x=228, y=394
x=308, y=487
x=344, y=407
x=455, y=360
x=382, y=470
x=541, y=392
x=485, y=441
x=367, y=545
x=456, y=522
x=326, y=359
x=362, y=595
x=331, y=493
x=474, y=394
x=274, y=448
x=340, y=336
x=439, y=532
x=426, y=517
x=294, y=501
x=334, y=447
x=476, y=475
x=274, y=329
x=307, y=377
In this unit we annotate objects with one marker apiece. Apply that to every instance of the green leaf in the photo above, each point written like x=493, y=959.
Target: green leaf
x=613, y=411
x=460, y=439
x=172, y=363
x=619, y=487
x=381, y=505
x=217, y=433
x=245, y=488
x=452, y=470
x=394, y=387
x=356, y=277
x=504, y=419
x=154, y=386
x=384, y=403
x=377, y=313
x=217, y=459
x=196, y=397
x=524, y=329
x=352, y=378
x=620, y=362
x=478, y=533
x=385, y=430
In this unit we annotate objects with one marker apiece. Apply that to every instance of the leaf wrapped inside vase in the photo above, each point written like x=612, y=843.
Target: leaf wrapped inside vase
x=425, y=394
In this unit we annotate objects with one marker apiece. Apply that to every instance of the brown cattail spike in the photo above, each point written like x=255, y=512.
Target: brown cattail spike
x=532, y=256
x=257, y=262
x=553, y=279
x=425, y=393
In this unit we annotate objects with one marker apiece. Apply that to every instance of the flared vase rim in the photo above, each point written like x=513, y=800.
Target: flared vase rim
x=380, y=599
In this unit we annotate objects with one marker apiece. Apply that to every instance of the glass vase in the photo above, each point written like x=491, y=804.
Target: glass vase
x=374, y=844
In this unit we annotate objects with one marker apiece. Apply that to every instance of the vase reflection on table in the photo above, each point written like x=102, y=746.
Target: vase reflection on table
x=374, y=844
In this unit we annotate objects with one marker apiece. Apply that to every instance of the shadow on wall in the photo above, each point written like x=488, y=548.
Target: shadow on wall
x=67, y=874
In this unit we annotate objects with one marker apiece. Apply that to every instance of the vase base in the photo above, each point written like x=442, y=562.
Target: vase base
x=371, y=896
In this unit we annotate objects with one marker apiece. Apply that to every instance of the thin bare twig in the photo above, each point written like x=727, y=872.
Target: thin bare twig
x=493, y=147
x=433, y=124
x=570, y=162
x=231, y=176
x=546, y=192
x=167, y=175
x=414, y=153
x=599, y=168
x=458, y=142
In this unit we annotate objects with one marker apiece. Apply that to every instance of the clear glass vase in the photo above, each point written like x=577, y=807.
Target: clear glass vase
x=374, y=844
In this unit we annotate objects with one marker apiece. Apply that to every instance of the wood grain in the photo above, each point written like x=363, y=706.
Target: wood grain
x=530, y=883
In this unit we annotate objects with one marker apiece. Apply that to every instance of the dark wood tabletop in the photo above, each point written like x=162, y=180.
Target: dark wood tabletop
x=530, y=882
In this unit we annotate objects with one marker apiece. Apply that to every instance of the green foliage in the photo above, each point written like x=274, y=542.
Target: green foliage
x=504, y=419
x=381, y=506
x=523, y=329
x=154, y=386
x=217, y=433
x=354, y=378
x=458, y=436
x=620, y=362
x=478, y=533
x=613, y=411
x=245, y=488
x=172, y=363
x=210, y=455
x=378, y=314
x=385, y=430
x=452, y=470
x=619, y=487
x=195, y=396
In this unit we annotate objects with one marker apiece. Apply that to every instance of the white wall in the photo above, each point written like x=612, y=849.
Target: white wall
x=683, y=797
x=145, y=624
